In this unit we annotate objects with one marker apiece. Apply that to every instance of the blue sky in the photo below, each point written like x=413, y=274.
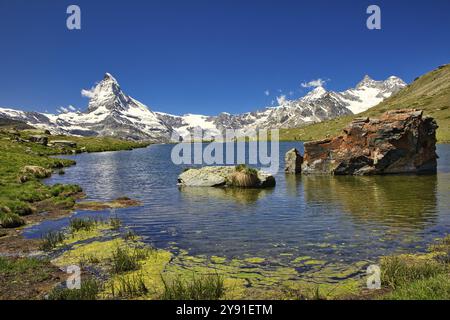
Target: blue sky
x=210, y=56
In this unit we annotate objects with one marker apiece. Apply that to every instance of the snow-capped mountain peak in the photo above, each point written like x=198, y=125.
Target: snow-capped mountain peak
x=315, y=94
x=111, y=112
x=106, y=93
x=393, y=82
x=369, y=92
x=367, y=81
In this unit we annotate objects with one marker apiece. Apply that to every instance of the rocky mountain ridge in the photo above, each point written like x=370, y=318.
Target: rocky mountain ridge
x=111, y=112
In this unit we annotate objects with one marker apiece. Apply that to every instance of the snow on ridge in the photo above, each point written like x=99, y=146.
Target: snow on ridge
x=110, y=111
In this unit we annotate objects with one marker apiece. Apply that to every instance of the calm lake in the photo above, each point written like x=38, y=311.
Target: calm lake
x=336, y=219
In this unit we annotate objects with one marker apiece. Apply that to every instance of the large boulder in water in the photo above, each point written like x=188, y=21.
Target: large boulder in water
x=226, y=176
x=400, y=141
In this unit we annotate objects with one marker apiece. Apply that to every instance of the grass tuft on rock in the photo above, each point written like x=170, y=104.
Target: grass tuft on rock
x=244, y=177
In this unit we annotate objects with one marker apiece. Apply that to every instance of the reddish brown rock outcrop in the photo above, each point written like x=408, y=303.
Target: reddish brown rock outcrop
x=400, y=141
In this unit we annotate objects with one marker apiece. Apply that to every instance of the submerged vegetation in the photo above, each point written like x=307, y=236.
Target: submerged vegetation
x=126, y=268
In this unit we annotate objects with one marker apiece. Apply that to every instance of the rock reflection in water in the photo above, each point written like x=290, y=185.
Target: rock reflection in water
x=400, y=200
x=239, y=195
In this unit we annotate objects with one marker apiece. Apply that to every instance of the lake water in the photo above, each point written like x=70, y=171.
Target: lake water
x=337, y=219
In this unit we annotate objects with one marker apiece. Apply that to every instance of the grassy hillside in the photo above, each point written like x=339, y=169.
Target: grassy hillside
x=430, y=92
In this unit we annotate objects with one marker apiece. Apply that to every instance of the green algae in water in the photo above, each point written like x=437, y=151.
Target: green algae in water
x=244, y=278
x=255, y=260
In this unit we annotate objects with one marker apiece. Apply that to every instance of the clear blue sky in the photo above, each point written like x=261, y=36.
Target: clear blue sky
x=207, y=56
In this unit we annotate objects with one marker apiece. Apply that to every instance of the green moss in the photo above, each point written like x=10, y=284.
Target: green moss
x=314, y=262
x=302, y=290
x=148, y=275
x=254, y=260
x=219, y=260
x=100, y=250
x=301, y=259
x=86, y=234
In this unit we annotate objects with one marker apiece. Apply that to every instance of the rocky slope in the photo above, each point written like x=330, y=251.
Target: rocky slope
x=113, y=113
x=317, y=106
x=429, y=92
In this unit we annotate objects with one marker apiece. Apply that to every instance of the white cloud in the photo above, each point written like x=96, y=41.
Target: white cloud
x=87, y=93
x=62, y=110
x=314, y=83
x=72, y=108
x=267, y=92
x=281, y=100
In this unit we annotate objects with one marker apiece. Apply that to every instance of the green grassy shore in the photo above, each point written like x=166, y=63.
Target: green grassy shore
x=22, y=193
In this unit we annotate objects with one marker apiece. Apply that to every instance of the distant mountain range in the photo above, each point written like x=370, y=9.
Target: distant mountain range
x=113, y=113
x=429, y=92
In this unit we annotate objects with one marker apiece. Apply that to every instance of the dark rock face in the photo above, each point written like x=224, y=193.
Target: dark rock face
x=400, y=141
x=293, y=161
x=64, y=143
x=39, y=139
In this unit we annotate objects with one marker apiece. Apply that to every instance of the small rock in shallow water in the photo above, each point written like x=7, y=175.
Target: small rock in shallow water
x=225, y=176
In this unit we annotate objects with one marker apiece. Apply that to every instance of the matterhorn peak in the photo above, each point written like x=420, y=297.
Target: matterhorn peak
x=108, y=77
x=107, y=94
